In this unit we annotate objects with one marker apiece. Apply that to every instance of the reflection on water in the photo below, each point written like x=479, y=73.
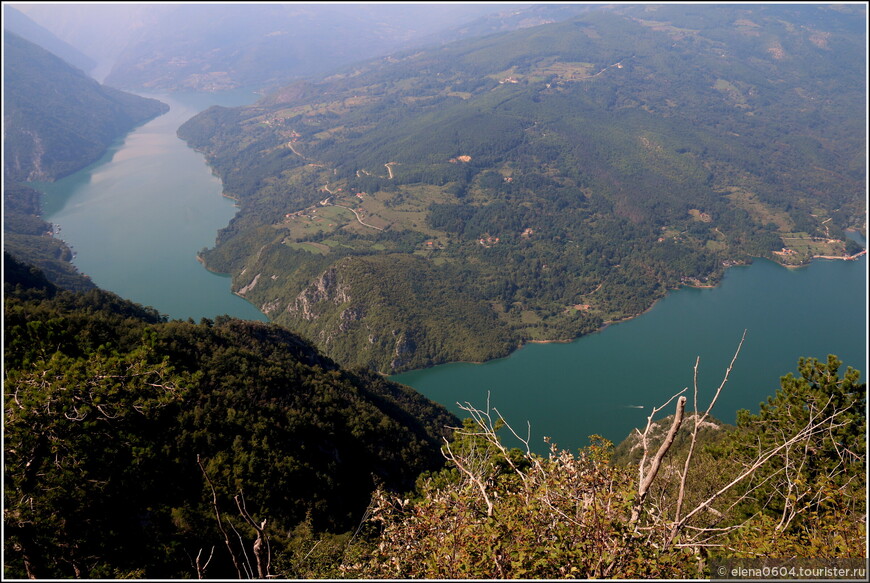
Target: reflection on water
x=137, y=218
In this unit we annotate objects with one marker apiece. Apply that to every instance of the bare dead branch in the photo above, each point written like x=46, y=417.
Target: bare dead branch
x=700, y=421
x=217, y=513
x=475, y=479
x=812, y=428
x=262, y=550
x=483, y=420
x=645, y=435
x=249, y=571
x=200, y=568
x=525, y=441
x=643, y=488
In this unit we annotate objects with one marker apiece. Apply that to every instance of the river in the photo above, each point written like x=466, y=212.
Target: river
x=607, y=383
x=137, y=218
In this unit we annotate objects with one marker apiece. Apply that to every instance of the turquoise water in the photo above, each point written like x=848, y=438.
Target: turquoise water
x=608, y=382
x=137, y=218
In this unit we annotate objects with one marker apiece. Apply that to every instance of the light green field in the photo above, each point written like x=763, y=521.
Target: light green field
x=410, y=213
x=758, y=210
x=802, y=247
x=311, y=247
x=317, y=220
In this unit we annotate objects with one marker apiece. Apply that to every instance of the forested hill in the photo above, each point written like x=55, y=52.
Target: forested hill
x=29, y=238
x=109, y=408
x=57, y=119
x=452, y=203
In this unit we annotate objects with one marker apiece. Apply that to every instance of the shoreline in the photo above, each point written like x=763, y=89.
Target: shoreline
x=607, y=323
x=826, y=257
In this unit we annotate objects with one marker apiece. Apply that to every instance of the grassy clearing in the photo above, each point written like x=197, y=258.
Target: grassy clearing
x=799, y=248
x=333, y=244
x=566, y=71
x=406, y=209
x=460, y=94
x=316, y=248
x=529, y=317
x=759, y=211
x=700, y=216
x=716, y=246
x=674, y=32
x=312, y=221
x=670, y=233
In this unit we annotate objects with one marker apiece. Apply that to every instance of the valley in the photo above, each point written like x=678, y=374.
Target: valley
x=434, y=291
x=597, y=162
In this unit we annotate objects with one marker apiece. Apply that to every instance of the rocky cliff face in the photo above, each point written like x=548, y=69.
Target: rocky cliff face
x=326, y=288
x=353, y=326
x=375, y=311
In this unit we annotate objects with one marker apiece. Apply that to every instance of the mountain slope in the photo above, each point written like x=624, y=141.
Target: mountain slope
x=217, y=47
x=18, y=23
x=452, y=203
x=112, y=410
x=57, y=119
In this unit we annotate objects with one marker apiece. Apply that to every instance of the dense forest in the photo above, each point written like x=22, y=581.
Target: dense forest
x=137, y=447
x=125, y=433
x=451, y=203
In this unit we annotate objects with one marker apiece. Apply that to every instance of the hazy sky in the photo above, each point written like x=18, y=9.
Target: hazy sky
x=104, y=30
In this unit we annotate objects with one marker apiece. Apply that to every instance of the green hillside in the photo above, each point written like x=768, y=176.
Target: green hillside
x=110, y=410
x=57, y=119
x=455, y=202
x=30, y=239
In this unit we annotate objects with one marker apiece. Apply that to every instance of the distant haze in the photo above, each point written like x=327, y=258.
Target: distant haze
x=238, y=44
x=98, y=30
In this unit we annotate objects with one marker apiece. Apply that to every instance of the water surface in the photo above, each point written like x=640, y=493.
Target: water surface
x=607, y=383
x=137, y=217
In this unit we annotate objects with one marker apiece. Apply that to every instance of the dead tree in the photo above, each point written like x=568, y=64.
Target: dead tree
x=262, y=550
x=217, y=513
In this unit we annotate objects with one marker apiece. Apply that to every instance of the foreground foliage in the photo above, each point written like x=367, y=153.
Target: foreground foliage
x=788, y=482
x=137, y=447
x=132, y=443
x=559, y=517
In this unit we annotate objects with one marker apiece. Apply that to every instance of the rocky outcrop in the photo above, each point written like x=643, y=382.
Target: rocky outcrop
x=326, y=288
x=250, y=286
x=405, y=348
x=350, y=316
